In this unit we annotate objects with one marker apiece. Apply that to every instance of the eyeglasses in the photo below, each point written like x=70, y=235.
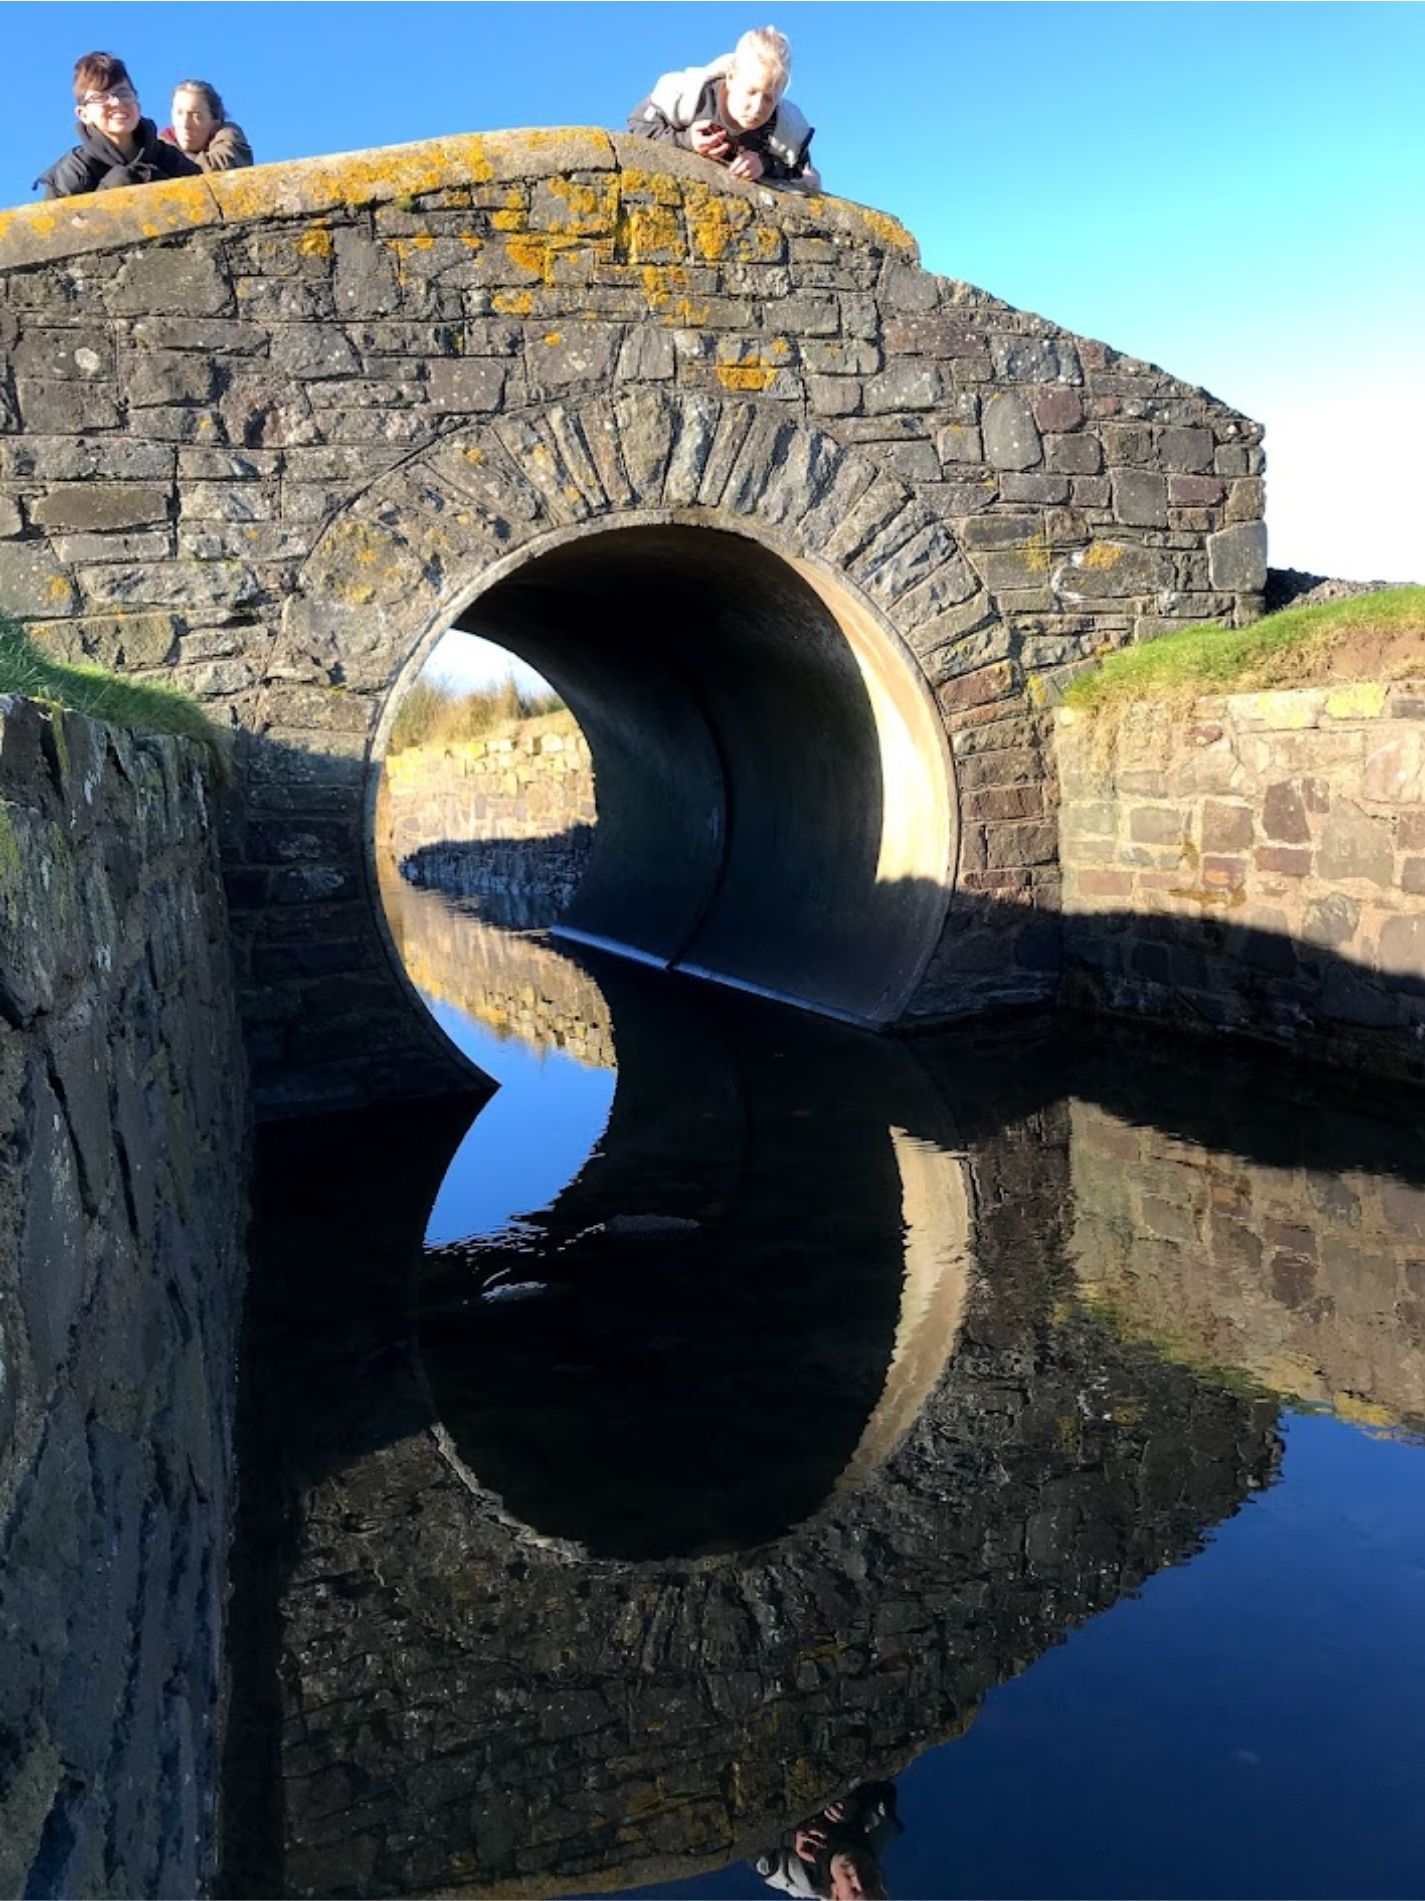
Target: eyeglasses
x=120, y=96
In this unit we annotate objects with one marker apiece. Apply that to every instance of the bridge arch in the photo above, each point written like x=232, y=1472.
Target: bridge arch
x=777, y=801
x=248, y=425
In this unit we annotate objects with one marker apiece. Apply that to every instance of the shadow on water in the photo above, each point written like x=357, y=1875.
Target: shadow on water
x=618, y=1513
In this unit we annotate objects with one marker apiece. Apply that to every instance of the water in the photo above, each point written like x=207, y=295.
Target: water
x=1031, y=1418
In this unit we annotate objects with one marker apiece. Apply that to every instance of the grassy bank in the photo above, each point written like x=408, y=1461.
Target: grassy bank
x=134, y=704
x=432, y=716
x=1379, y=636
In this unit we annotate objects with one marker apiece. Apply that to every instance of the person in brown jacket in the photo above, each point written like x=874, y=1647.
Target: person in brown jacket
x=203, y=130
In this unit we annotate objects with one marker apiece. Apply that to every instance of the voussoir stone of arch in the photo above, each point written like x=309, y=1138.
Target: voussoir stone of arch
x=394, y=566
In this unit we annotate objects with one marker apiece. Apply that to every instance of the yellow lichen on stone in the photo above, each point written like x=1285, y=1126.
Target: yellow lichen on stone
x=513, y=303
x=1362, y=699
x=881, y=225
x=553, y=339
x=646, y=232
x=317, y=241
x=744, y=375
x=1102, y=555
x=662, y=187
x=591, y=209
x=711, y=224
x=1363, y=1412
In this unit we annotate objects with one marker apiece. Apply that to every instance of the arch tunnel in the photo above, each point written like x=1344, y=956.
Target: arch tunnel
x=774, y=790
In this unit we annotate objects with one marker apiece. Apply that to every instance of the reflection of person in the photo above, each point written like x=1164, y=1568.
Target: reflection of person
x=733, y=113
x=204, y=131
x=836, y=1854
x=118, y=146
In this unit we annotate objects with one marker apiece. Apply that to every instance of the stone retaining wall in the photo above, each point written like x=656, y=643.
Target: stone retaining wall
x=1257, y=865
x=530, y=778
x=122, y=1144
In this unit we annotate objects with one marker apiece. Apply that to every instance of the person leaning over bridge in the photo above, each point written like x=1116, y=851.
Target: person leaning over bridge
x=118, y=146
x=204, y=131
x=734, y=113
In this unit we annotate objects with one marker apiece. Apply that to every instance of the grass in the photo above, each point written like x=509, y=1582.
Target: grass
x=136, y=705
x=431, y=716
x=1377, y=636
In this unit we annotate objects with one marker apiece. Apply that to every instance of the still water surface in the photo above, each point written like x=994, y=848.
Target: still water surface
x=739, y=1409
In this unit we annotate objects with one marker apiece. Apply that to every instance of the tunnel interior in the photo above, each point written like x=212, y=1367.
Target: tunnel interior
x=774, y=793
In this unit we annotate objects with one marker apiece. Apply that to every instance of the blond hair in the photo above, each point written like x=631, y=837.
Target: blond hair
x=765, y=46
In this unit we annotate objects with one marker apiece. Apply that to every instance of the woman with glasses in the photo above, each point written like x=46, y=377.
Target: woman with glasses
x=118, y=146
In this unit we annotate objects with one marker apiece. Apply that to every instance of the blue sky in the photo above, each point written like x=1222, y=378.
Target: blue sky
x=1233, y=191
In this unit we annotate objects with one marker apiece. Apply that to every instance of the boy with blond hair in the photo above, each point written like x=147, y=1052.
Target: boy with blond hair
x=735, y=112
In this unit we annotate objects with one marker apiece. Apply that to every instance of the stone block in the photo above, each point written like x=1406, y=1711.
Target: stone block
x=958, y=442
x=1332, y=922
x=1056, y=409
x=465, y=385
x=1140, y=498
x=1011, y=437
x=1226, y=827
x=1292, y=710
x=1284, y=817
x=1286, y=860
x=907, y=385
x=185, y=280
x=1034, y=487
x=99, y=506
x=1113, y=570
x=1402, y=947
x=11, y=520
x=1246, y=499
x=67, y=409
x=1237, y=558
x=1073, y=455
x=1185, y=451
x=1394, y=769
x=1355, y=845
x=33, y=585
x=646, y=356
x=834, y=395
x=1194, y=491
x=1035, y=359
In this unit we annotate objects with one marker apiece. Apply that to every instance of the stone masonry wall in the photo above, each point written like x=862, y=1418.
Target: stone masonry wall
x=122, y=1209
x=265, y=433
x=511, y=982
x=1310, y=1281
x=528, y=779
x=1258, y=866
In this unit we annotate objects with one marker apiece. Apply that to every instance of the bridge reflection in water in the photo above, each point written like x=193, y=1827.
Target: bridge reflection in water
x=625, y=1508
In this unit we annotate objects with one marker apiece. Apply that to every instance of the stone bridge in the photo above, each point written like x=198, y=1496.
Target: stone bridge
x=805, y=535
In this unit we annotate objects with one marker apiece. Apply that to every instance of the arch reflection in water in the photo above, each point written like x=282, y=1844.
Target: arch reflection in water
x=500, y=1673
x=621, y=1694
x=695, y=1343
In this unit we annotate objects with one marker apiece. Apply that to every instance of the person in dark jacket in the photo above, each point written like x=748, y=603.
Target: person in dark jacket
x=734, y=112
x=204, y=131
x=118, y=146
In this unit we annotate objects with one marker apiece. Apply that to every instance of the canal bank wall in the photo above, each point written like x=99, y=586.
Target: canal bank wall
x=122, y=1210
x=525, y=779
x=1254, y=863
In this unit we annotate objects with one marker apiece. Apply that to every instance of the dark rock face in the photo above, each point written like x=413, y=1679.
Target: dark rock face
x=122, y=1204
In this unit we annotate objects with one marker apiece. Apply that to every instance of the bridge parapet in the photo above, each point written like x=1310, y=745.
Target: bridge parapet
x=269, y=434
